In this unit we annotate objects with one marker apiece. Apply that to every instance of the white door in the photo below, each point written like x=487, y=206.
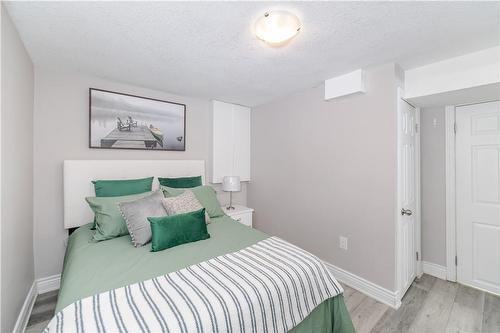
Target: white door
x=478, y=195
x=407, y=199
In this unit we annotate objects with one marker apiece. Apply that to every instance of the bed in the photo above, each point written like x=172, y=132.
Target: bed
x=96, y=268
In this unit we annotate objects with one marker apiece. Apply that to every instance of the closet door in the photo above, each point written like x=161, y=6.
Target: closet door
x=222, y=144
x=231, y=141
x=478, y=195
x=241, y=139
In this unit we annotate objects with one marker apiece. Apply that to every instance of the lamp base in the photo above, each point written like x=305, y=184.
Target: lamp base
x=230, y=201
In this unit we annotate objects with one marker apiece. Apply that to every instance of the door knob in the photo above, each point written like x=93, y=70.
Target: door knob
x=406, y=212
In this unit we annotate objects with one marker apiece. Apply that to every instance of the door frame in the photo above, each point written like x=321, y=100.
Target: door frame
x=418, y=238
x=418, y=182
x=450, y=170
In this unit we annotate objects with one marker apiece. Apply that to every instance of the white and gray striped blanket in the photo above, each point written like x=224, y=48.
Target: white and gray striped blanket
x=270, y=286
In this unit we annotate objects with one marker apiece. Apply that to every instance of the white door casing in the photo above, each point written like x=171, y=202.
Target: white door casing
x=451, y=247
x=478, y=195
x=407, y=196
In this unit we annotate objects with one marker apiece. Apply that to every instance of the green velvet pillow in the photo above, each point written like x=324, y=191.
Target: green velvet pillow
x=121, y=187
x=109, y=222
x=170, y=231
x=205, y=195
x=183, y=182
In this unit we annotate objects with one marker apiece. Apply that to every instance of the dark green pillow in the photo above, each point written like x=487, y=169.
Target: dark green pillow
x=170, y=231
x=121, y=187
x=205, y=194
x=183, y=182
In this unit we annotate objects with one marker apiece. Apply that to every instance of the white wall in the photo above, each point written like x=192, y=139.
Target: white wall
x=61, y=132
x=322, y=169
x=433, y=181
x=16, y=174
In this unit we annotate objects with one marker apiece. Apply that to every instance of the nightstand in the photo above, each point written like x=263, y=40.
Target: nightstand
x=240, y=213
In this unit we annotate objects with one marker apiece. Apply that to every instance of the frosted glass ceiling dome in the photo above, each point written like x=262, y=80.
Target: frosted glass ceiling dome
x=277, y=26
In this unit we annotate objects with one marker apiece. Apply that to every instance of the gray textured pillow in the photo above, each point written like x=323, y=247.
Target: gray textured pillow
x=135, y=214
x=183, y=203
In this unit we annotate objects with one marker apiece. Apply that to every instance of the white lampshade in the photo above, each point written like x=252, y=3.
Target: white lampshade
x=277, y=26
x=231, y=184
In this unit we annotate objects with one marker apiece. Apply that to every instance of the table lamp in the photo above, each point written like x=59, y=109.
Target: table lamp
x=231, y=184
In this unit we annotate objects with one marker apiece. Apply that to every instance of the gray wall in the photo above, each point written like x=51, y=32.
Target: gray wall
x=433, y=159
x=324, y=169
x=61, y=133
x=16, y=175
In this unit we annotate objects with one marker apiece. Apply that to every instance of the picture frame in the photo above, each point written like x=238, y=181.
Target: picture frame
x=124, y=121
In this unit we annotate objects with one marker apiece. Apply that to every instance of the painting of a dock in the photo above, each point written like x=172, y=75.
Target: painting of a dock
x=122, y=121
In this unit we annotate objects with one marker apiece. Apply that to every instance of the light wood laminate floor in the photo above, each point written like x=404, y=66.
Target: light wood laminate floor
x=430, y=305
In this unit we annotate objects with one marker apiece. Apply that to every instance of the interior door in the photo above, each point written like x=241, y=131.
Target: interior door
x=407, y=201
x=478, y=195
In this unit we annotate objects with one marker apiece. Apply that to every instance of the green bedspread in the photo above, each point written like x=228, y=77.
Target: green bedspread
x=91, y=268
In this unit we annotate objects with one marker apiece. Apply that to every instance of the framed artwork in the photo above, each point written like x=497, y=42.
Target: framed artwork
x=123, y=121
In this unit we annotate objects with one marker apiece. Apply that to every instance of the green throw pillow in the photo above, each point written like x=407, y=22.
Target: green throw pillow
x=205, y=195
x=109, y=221
x=121, y=187
x=183, y=182
x=170, y=231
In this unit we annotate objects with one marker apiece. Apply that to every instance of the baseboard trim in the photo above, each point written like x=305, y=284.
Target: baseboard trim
x=48, y=283
x=38, y=287
x=434, y=270
x=24, y=314
x=366, y=287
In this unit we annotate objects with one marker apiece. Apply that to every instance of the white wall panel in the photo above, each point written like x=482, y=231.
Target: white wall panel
x=470, y=70
x=350, y=83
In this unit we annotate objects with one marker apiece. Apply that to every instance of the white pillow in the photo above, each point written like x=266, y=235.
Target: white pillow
x=183, y=203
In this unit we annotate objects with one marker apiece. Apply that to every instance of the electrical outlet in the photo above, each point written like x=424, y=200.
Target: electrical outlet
x=343, y=243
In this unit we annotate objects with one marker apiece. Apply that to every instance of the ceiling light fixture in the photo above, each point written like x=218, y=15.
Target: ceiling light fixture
x=277, y=26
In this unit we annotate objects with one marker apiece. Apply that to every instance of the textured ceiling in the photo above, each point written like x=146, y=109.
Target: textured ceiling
x=207, y=49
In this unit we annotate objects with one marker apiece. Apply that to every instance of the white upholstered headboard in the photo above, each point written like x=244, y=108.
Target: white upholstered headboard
x=78, y=175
